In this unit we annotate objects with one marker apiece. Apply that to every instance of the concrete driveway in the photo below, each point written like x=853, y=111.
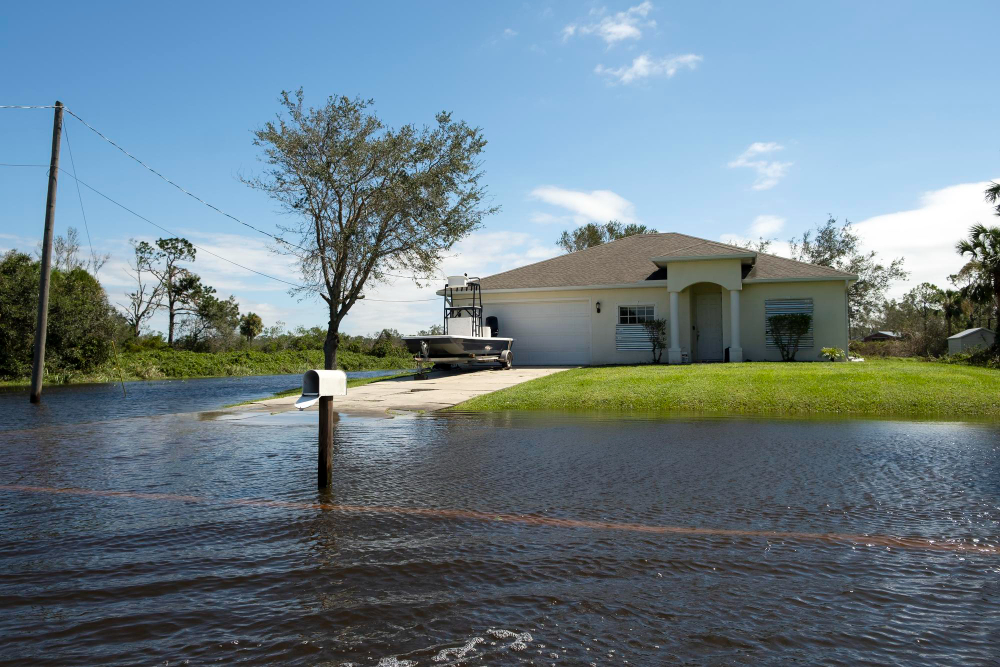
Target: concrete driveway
x=439, y=390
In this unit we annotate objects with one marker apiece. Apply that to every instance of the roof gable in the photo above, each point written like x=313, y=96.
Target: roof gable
x=629, y=261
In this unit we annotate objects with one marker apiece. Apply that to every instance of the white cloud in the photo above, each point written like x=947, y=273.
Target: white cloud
x=766, y=225
x=20, y=243
x=645, y=67
x=584, y=207
x=616, y=27
x=776, y=247
x=542, y=218
x=409, y=308
x=926, y=236
x=508, y=33
x=769, y=172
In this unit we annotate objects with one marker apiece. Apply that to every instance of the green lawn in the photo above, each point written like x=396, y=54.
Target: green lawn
x=891, y=387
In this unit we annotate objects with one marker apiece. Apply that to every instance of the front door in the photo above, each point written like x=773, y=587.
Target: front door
x=708, y=323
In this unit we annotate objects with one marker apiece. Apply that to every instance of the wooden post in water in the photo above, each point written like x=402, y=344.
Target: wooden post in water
x=41, y=324
x=325, y=441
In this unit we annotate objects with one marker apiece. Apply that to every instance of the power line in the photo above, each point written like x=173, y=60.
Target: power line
x=162, y=228
x=93, y=255
x=8, y=164
x=225, y=259
x=28, y=106
x=199, y=199
x=188, y=193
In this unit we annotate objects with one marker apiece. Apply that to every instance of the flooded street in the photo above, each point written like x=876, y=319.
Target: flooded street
x=143, y=531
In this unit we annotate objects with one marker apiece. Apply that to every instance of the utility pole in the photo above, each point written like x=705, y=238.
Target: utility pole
x=38, y=361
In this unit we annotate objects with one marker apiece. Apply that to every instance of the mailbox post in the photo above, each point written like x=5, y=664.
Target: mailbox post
x=320, y=386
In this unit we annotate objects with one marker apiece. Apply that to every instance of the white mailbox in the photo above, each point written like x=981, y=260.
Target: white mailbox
x=317, y=384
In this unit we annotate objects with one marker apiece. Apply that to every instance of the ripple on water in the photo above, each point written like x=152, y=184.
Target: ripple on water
x=502, y=547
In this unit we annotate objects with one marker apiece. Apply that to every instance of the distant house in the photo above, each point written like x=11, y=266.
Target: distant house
x=588, y=307
x=882, y=335
x=970, y=339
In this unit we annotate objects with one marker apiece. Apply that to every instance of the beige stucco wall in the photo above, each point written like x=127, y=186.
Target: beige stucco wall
x=829, y=313
x=724, y=272
x=829, y=316
x=602, y=325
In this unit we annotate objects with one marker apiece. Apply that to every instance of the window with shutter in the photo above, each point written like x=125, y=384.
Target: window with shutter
x=783, y=307
x=630, y=334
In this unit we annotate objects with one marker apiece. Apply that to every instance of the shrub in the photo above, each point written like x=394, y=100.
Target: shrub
x=787, y=330
x=912, y=346
x=18, y=301
x=656, y=330
x=988, y=357
x=832, y=354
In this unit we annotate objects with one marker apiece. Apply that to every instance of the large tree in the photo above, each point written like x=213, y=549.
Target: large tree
x=250, y=326
x=147, y=297
x=983, y=247
x=925, y=299
x=952, y=306
x=181, y=288
x=66, y=254
x=592, y=234
x=837, y=246
x=213, y=323
x=369, y=200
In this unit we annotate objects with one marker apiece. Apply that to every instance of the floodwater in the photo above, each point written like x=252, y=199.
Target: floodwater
x=154, y=534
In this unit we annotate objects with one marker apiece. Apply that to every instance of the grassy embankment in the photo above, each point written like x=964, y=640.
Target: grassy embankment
x=890, y=387
x=171, y=364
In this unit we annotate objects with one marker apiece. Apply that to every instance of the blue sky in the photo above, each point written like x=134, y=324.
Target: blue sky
x=721, y=121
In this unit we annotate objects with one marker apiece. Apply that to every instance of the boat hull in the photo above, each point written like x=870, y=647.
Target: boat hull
x=439, y=347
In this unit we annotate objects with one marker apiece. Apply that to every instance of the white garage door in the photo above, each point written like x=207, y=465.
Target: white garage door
x=545, y=333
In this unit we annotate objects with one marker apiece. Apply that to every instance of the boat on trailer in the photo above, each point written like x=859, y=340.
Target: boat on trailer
x=466, y=340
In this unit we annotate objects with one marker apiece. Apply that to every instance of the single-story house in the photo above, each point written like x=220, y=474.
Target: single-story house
x=968, y=340
x=588, y=307
x=882, y=336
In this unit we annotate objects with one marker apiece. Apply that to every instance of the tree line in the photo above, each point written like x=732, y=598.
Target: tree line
x=197, y=319
x=83, y=322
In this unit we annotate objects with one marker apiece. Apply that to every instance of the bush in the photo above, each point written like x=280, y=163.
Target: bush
x=18, y=303
x=81, y=322
x=913, y=346
x=988, y=357
x=832, y=353
x=656, y=331
x=787, y=330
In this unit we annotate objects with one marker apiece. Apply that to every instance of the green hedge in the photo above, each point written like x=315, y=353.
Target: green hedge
x=167, y=363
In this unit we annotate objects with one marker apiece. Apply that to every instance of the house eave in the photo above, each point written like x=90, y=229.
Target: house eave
x=571, y=288
x=810, y=279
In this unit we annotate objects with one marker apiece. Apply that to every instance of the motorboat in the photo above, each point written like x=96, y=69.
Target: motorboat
x=467, y=340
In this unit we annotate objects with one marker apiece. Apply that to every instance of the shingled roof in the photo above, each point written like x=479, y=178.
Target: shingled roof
x=628, y=261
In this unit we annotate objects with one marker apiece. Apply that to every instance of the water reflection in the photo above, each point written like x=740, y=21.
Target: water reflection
x=498, y=539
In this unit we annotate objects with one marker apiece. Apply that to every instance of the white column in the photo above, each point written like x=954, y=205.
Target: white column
x=674, y=351
x=735, y=344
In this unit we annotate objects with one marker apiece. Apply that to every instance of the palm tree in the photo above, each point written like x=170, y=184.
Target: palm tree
x=951, y=306
x=983, y=245
x=993, y=195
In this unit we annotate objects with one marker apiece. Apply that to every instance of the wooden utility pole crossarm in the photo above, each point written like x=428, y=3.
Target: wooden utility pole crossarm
x=38, y=360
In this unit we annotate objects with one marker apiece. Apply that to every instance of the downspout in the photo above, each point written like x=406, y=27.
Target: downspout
x=847, y=316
